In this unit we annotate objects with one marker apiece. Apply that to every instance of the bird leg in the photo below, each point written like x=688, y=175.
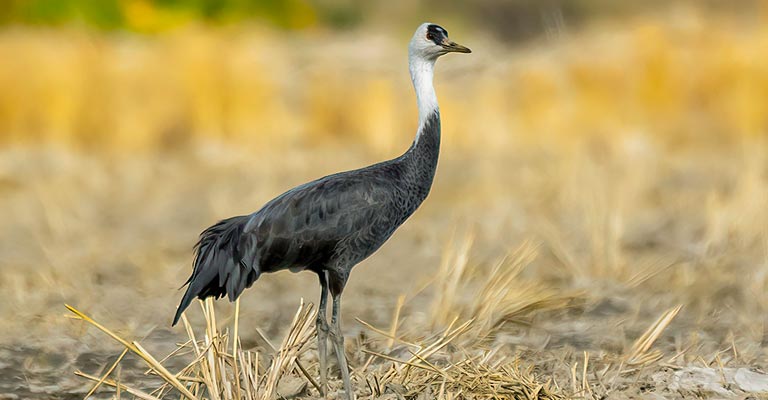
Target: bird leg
x=338, y=344
x=322, y=335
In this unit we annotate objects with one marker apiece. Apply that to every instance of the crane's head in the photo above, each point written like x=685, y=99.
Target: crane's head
x=431, y=41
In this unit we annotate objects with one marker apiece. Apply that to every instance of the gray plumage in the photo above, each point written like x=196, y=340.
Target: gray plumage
x=331, y=224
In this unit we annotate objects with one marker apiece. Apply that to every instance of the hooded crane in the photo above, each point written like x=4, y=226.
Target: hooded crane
x=329, y=225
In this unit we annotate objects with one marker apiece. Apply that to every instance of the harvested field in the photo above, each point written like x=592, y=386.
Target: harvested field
x=597, y=229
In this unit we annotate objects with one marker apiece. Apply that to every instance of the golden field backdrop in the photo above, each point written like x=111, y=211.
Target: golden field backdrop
x=685, y=74
x=600, y=204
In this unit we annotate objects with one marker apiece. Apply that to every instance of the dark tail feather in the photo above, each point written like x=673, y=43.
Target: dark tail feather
x=221, y=263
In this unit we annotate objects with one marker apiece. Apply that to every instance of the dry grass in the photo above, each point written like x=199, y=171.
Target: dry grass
x=218, y=370
x=215, y=371
x=492, y=296
x=606, y=176
x=447, y=359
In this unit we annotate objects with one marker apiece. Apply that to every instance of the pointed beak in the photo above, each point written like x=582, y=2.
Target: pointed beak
x=453, y=47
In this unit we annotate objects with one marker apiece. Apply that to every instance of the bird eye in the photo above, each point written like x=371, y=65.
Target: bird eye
x=430, y=36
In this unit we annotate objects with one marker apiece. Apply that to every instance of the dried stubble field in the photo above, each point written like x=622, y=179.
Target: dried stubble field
x=599, y=213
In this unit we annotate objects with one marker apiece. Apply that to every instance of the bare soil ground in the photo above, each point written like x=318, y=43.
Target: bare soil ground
x=598, y=242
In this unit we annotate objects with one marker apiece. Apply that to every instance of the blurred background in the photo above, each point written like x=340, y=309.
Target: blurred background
x=625, y=140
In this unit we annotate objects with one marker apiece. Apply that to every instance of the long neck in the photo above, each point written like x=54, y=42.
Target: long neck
x=422, y=71
x=423, y=154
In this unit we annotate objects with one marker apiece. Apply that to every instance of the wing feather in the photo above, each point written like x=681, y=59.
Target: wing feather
x=352, y=213
x=305, y=225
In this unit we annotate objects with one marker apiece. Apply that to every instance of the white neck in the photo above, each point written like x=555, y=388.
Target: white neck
x=422, y=71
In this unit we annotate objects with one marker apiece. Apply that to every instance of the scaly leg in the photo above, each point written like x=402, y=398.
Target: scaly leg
x=322, y=334
x=338, y=344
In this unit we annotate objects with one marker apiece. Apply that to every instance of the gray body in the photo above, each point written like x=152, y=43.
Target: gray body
x=327, y=225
